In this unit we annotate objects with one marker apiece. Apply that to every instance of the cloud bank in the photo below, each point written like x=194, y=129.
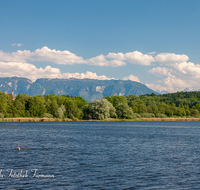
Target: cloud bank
x=168, y=58
x=175, y=72
x=179, y=74
x=132, y=77
x=135, y=57
x=29, y=71
x=65, y=57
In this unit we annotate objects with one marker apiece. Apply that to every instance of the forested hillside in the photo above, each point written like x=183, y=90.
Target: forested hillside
x=178, y=98
x=61, y=106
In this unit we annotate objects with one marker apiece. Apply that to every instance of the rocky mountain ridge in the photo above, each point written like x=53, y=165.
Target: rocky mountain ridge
x=89, y=89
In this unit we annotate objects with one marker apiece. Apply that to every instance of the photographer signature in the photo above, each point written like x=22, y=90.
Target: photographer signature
x=10, y=173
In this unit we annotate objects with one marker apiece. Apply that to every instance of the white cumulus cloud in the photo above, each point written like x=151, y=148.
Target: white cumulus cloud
x=137, y=57
x=160, y=71
x=174, y=70
x=46, y=54
x=88, y=75
x=119, y=56
x=132, y=77
x=134, y=57
x=177, y=74
x=171, y=58
x=170, y=84
x=43, y=55
x=19, y=56
x=100, y=60
x=19, y=45
x=29, y=71
x=66, y=57
x=188, y=69
x=151, y=53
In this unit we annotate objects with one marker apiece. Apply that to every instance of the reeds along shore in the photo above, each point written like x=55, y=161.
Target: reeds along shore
x=33, y=119
x=109, y=119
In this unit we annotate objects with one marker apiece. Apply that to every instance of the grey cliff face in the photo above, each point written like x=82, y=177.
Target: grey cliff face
x=89, y=89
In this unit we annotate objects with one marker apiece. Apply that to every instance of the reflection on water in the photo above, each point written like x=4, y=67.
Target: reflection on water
x=100, y=155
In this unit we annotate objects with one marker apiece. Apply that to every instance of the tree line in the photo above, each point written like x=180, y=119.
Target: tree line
x=128, y=107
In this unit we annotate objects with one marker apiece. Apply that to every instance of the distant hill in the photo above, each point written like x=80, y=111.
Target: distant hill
x=89, y=89
x=190, y=90
x=162, y=91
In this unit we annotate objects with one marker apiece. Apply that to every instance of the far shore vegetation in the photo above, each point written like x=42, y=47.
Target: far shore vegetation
x=181, y=106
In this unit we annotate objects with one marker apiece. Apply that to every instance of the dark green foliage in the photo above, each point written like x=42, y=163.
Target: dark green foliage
x=1, y=115
x=142, y=108
x=136, y=115
x=72, y=109
x=110, y=99
x=21, y=105
x=41, y=105
x=194, y=112
x=36, y=106
x=124, y=111
x=47, y=115
x=134, y=107
x=148, y=115
x=4, y=99
x=179, y=98
x=81, y=103
x=180, y=104
x=173, y=104
x=160, y=115
x=118, y=99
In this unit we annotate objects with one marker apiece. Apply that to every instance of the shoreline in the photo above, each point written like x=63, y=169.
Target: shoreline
x=31, y=119
x=156, y=119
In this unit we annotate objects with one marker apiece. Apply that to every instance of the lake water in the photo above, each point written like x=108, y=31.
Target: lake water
x=100, y=155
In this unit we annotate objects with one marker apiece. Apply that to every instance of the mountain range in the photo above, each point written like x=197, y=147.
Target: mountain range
x=185, y=90
x=190, y=89
x=89, y=89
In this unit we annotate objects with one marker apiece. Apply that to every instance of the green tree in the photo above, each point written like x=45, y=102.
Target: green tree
x=118, y=99
x=81, y=103
x=124, y=111
x=72, y=109
x=109, y=99
x=141, y=107
x=180, y=112
x=134, y=107
x=53, y=106
x=3, y=103
x=154, y=107
x=60, y=111
x=161, y=108
x=194, y=112
x=101, y=109
x=36, y=106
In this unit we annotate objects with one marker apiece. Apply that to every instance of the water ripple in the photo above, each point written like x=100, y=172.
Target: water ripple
x=100, y=155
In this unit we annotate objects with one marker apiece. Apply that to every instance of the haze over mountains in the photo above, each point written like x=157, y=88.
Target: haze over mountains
x=185, y=90
x=89, y=89
x=190, y=89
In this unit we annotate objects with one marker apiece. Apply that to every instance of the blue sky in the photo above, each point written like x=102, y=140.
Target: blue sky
x=153, y=42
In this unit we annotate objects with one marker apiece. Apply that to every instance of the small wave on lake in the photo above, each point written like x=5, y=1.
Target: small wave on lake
x=100, y=155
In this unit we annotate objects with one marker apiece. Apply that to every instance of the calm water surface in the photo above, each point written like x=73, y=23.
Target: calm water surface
x=100, y=155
